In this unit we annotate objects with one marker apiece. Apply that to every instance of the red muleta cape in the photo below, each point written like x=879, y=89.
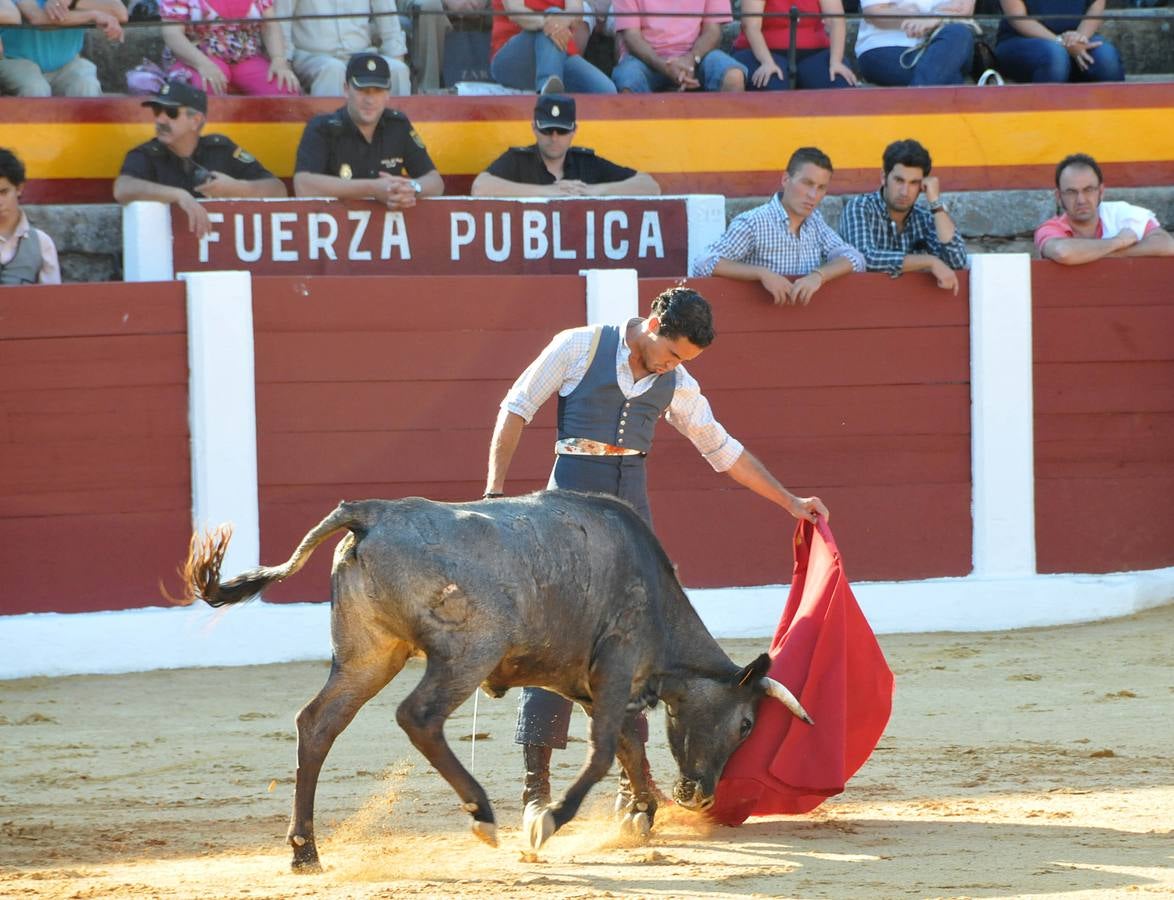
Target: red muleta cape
x=825, y=652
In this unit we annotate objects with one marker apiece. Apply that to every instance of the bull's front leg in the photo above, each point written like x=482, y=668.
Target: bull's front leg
x=637, y=815
x=610, y=683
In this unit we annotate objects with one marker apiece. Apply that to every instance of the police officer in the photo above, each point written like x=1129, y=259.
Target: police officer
x=551, y=167
x=179, y=164
x=365, y=150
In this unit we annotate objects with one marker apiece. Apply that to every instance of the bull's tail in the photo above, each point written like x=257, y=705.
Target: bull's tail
x=201, y=571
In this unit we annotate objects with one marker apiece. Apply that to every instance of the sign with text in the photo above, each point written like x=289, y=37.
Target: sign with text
x=450, y=236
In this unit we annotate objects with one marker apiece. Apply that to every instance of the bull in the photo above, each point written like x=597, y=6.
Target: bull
x=570, y=592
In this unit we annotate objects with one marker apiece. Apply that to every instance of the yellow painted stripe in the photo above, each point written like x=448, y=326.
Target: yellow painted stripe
x=96, y=150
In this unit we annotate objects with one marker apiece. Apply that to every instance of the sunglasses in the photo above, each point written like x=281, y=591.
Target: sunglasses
x=549, y=131
x=171, y=111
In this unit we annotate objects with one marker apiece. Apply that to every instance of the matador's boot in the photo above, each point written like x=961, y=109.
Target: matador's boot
x=536, y=785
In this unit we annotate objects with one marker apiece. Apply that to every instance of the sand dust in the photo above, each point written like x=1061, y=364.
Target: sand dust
x=1029, y=763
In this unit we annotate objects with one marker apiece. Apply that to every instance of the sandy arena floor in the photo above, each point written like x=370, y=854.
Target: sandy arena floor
x=1035, y=763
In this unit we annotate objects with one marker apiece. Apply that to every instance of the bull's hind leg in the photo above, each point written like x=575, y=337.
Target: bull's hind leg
x=444, y=687
x=351, y=684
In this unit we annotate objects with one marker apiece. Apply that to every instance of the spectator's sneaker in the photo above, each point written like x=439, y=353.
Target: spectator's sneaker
x=552, y=85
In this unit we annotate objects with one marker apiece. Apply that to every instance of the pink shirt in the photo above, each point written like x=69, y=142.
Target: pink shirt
x=1061, y=227
x=669, y=36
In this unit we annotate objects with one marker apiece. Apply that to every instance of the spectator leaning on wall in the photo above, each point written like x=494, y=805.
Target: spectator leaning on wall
x=551, y=167
x=365, y=150
x=27, y=254
x=46, y=61
x=1091, y=228
x=894, y=232
x=327, y=33
x=180, y=164
x=786, y=236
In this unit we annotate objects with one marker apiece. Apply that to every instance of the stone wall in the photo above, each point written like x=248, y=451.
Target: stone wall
x=89, y=237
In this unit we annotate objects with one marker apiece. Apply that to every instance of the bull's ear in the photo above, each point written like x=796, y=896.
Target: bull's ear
x=755, y=670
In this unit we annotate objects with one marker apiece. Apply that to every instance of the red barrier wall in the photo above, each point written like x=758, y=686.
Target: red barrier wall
x=95, y=495
x=1104, y=415
x=863, y=397
x=389, y=387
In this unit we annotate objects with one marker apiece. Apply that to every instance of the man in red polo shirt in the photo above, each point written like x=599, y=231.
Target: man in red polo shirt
x=1091, y=228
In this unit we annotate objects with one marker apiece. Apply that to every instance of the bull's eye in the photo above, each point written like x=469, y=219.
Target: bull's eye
x=746, y=726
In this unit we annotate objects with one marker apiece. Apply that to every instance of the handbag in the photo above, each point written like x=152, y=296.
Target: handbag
x=912, y=56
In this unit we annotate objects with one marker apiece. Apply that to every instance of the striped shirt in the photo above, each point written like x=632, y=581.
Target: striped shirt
x=762, y=237
x=563, y=363
x=867, y=225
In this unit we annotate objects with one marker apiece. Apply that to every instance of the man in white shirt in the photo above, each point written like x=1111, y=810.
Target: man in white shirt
x=908, y=44
x=322, y=46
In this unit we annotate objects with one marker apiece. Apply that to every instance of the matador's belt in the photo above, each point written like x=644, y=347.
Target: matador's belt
x=588, y=447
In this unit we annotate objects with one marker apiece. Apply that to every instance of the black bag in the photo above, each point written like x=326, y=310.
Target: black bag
x=984, y=58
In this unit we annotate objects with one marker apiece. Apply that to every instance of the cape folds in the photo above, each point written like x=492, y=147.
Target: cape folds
x=826, y=653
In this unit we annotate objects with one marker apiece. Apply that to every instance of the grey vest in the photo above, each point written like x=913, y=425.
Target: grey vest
x=597, y=408
x=26, y=265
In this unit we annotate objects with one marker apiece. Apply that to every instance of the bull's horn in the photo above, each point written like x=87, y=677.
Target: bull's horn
x=780, y=692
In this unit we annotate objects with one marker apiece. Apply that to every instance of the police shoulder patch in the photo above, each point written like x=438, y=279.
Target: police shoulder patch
x=216, y=140
x=415, y=137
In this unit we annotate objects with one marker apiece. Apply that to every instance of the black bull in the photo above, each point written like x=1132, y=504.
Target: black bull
x=570, y=592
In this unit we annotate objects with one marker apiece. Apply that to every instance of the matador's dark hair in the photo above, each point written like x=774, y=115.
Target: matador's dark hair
x=684, y=313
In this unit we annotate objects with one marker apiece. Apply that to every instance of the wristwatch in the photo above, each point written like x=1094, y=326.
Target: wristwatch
x=696, y=60
x=937, y=206
x=416, y=186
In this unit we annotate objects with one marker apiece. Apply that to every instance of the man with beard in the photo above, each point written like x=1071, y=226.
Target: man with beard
x=180, y=165
x=551, y=167
x=365, y=151
x=1091, y=228
x=894, y=232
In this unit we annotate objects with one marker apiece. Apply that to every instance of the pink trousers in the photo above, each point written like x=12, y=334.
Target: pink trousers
x=249, y=76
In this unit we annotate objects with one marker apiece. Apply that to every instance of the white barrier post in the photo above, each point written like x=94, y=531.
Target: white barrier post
x=1001, y=412
x=706, y=214
x=146, y=242
x=613, y=296
x=222, y=409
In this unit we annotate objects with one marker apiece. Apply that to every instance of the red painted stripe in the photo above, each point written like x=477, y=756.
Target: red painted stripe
x=427, y=108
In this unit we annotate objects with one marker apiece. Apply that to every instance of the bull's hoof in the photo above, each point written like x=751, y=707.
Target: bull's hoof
x=637, y=825
x=538, y=824
x=486, y=831
x=305, y=864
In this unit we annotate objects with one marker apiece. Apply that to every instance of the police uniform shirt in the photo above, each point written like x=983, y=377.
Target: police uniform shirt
x=333, y=145
x=524, y=165
x=152, y=161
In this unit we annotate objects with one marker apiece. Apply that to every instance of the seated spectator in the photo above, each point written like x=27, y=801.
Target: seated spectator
x=786, y=236
x=764, y=42
x=551, y=167
x=180, y=164
x=365, y=150
x=918, y=50
x=322, y=44
x=433, y=25
x=1092, y=228
x=673, y=52
x=222, y=58
x=46, y=61
x=1062, y=46
x=533, y=47
x=27, y=254
x=894, y=232
x=9, y=15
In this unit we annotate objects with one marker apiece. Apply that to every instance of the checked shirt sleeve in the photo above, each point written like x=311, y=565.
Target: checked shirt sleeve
x=736, y=244
x=952, y=254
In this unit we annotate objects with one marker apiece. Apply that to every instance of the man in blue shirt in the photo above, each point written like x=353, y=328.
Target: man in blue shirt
x=897, y=235
x=46, y=61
